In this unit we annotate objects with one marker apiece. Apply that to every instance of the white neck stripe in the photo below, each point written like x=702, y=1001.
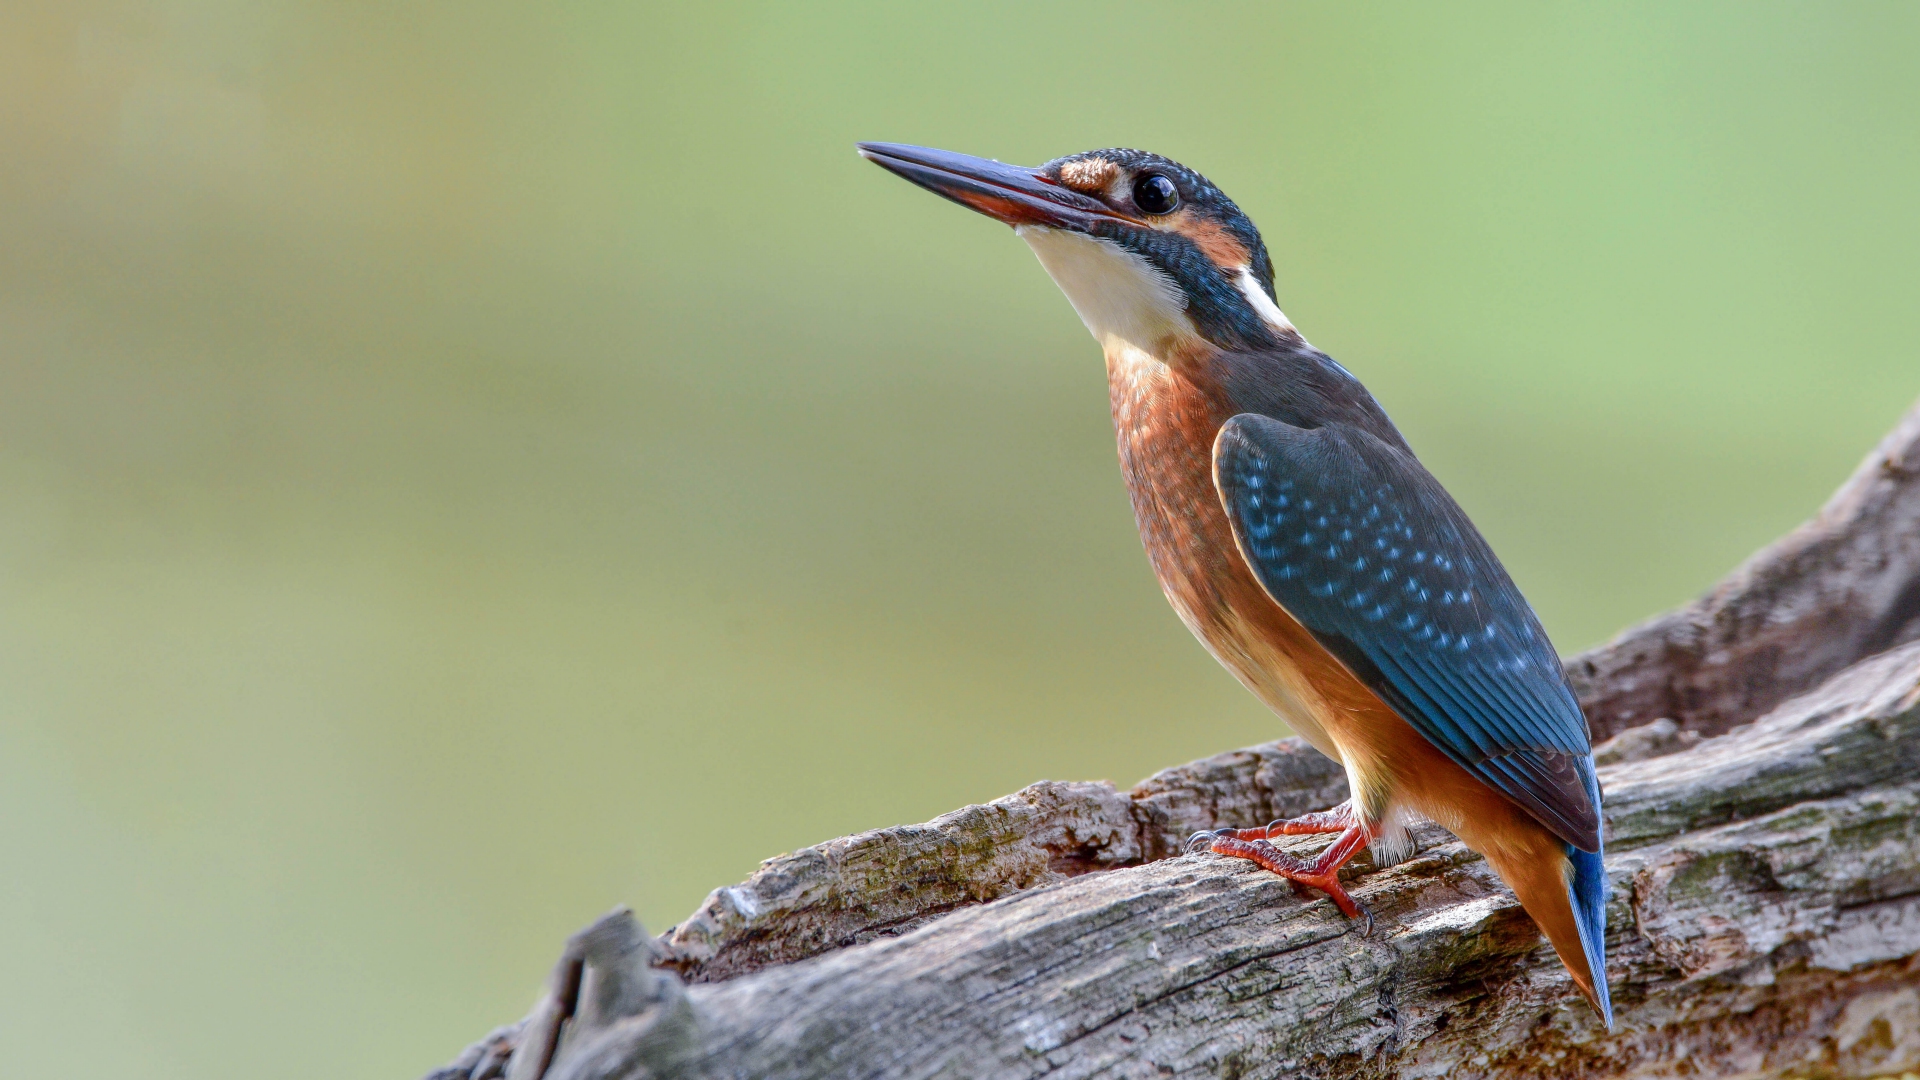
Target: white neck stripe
x=1262, y=303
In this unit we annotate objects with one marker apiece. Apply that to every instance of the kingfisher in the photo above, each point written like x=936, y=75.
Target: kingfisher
x=1299, y=538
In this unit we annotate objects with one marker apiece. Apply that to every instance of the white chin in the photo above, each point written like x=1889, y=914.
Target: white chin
x=1119, y=295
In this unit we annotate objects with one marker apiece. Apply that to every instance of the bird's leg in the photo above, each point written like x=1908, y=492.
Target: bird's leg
x=1338, y=819
x=1322, y=872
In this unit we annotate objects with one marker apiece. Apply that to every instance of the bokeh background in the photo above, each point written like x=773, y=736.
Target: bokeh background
x=463, y=466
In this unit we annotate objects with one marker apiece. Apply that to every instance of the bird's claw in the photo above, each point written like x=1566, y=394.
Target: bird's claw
x=1367, y=914
x=1202, y=840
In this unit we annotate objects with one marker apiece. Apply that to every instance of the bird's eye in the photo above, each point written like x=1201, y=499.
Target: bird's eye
x=1155, y=194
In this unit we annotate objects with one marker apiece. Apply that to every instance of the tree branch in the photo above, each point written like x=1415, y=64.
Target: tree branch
x=1843, y=586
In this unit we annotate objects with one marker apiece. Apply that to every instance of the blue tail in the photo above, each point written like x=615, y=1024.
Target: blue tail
x=1588, y=891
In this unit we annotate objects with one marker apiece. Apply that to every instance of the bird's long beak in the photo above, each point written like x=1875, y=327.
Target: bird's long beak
x=1009, y=193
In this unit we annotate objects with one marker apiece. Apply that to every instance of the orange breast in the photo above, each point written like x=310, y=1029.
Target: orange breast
x=1166, y=417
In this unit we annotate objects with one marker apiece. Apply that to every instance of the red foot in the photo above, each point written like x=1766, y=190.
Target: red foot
x=1338, y=819
x=1321, y=873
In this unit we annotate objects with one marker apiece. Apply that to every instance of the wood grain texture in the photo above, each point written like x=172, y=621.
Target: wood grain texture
x=888, y=881
x=1766, y=922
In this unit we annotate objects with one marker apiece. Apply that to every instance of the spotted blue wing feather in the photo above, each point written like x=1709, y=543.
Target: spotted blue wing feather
x=1364, y=547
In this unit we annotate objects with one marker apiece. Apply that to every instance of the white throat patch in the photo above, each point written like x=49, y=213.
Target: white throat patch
x=1121, y=297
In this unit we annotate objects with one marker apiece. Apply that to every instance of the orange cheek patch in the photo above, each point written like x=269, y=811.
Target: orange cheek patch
x=1089, y=176
x=1212, y=238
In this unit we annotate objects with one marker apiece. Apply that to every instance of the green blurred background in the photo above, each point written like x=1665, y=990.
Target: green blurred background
x=463, y=466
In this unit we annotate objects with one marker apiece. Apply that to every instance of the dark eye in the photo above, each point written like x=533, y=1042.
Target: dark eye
x=1155, y=194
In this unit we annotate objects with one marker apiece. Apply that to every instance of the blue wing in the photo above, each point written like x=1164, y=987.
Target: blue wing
x=1364, y=547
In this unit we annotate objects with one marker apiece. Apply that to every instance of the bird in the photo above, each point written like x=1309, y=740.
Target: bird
x=1299, y=538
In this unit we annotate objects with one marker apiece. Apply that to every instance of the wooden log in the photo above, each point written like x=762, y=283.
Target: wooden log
x=1765, y=922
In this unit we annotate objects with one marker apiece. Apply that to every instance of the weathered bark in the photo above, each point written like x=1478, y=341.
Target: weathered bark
x=1765, y=922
